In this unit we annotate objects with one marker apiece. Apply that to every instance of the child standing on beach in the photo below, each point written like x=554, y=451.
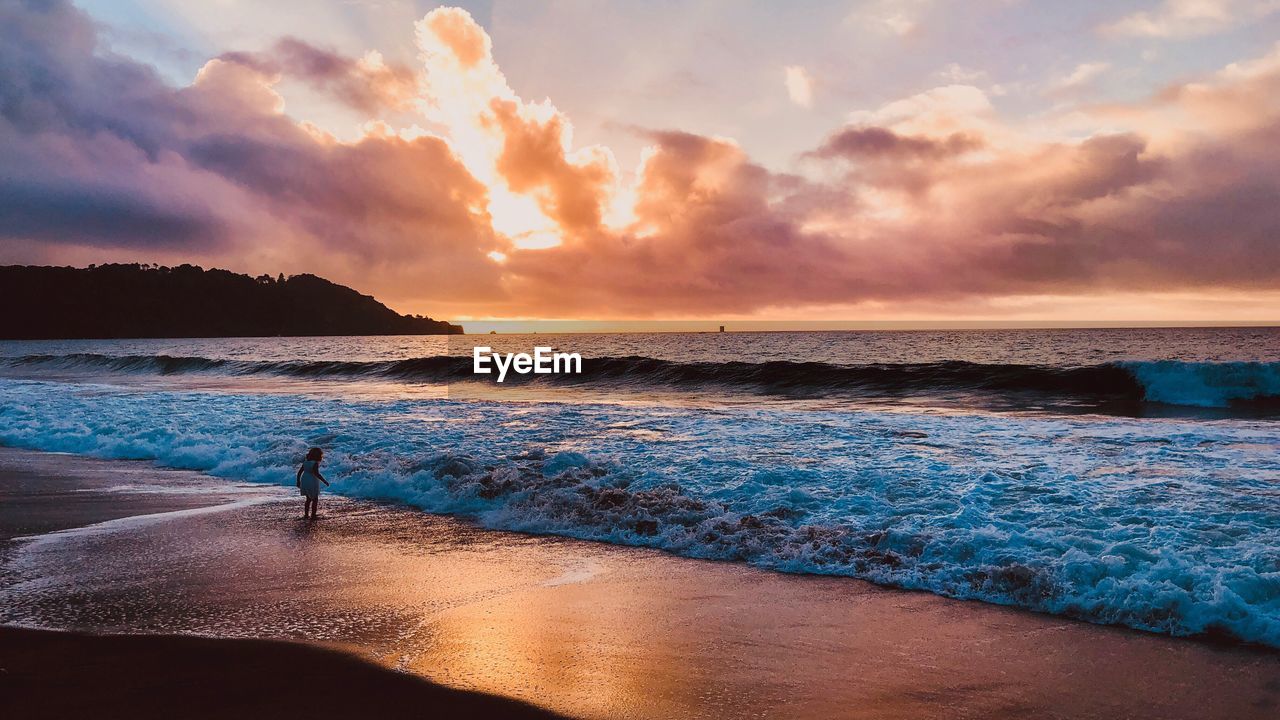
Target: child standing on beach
x=309, y=479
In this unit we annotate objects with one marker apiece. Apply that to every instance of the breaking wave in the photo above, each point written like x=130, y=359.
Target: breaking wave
x=1253, y=385
x=1204, y=384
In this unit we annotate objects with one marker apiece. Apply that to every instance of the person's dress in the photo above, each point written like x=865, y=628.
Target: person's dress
x=310, y=480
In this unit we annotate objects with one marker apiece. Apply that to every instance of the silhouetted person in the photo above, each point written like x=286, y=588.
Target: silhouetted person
x=309, y=479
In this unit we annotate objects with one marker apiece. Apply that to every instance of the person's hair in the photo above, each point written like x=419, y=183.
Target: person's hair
x=315, y=454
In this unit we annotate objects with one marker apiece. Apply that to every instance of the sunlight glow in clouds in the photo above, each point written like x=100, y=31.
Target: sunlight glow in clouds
x=522, y=152
x=458, y=197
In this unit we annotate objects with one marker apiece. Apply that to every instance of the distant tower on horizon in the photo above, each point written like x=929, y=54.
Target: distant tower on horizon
x=721, y=328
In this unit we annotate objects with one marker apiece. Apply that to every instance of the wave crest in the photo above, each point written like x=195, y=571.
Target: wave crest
x=1204, y=384
x=1191, y=384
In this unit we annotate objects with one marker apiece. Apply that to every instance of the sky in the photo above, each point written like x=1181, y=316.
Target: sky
x=890, y=160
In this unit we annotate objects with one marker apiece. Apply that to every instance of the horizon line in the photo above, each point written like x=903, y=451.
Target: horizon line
x=527, y=327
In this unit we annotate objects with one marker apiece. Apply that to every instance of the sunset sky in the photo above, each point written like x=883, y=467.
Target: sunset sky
x=882, y=160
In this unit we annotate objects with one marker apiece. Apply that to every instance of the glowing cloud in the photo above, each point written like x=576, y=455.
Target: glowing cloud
x=540, y=188
x=462, y=198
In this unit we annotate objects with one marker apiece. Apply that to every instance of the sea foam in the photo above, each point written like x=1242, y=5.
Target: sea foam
x=1165, y=525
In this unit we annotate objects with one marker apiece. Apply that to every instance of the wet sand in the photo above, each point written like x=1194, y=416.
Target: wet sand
x=59, y=675
x=586, y=629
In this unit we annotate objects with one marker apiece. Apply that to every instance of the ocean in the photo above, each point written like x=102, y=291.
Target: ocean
x=1120, y=476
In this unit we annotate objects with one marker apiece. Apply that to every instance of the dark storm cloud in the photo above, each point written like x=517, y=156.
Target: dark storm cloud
x=105, y=215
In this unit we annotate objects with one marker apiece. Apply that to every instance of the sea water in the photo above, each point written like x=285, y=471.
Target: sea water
x=1119, y=476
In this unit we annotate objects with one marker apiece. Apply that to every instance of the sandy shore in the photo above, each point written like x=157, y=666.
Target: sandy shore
x=59, y=675
x=585, y=629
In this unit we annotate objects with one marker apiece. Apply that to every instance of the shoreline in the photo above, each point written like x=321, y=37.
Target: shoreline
x=583, y=628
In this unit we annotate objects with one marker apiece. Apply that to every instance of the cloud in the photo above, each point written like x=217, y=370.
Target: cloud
x=570, y=189
x=541, y=189
x=1190, y=18
x=799, y=85
x=924, y=218
x=1241, y=97
x=367, y=84
x=940, y=110
x=930, y=211
x=706, y=236
x=891, y=17
x=1082, y=76
x=930, y=200
x=98, y=155
x=466, y=41
x=876, y=142
x=958, y=74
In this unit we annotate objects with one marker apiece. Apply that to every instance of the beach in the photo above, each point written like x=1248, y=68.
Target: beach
x=158, y=676
x=579, y=628
x=879, y=359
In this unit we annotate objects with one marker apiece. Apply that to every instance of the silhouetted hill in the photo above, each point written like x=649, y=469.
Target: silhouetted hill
x=136, y=301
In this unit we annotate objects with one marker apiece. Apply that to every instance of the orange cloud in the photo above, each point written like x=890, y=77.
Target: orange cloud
x=468, y=42
x=533, y=161
x=931, y=200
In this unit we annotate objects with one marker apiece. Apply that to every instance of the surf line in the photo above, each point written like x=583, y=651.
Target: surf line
x=543, y=361
x=135, y=521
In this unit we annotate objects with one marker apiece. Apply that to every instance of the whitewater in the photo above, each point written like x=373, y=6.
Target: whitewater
x=1161, y=521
